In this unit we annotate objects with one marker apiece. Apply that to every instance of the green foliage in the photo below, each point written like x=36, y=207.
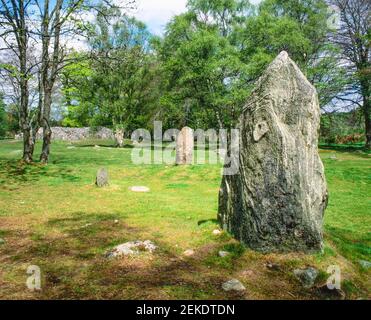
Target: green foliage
x=118, y=85
x=338, y=127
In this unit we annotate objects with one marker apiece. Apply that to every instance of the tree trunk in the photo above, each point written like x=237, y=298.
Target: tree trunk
x=47, y=133
x=365, y=88
x=119, y=137
x=367, y=113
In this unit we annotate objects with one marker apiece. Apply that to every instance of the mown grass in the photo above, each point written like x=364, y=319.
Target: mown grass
x=53, y=216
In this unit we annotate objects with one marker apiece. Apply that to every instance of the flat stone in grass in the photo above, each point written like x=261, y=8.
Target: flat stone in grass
x=139, y=189
x=233, y=285
x=102, y=178
x=132, y=248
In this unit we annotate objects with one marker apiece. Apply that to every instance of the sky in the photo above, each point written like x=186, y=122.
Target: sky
x=157, y=13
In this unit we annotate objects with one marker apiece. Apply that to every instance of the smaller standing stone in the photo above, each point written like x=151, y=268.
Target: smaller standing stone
x=184, y=146
x=233, y=285
x=307, y=276
x=102, y=178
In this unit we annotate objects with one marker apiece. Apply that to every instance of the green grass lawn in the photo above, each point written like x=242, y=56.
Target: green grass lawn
x=54, y=217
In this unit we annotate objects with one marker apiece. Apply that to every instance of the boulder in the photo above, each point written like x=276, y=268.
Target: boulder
x=184, y=146
x=102, y=178
x=277, y=200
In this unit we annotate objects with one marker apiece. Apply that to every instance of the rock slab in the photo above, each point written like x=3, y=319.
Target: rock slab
x=132, y=248
x=276, y=202
x=185, y=146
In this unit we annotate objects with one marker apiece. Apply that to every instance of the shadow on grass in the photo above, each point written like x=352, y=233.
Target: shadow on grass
x=352, y=247
x=17, y=172
x=345, y=147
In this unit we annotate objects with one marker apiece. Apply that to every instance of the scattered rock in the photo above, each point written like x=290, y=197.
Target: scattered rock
x=247, y=273
x=139, y=189
x=132, y=248
x=96, y=146
x=189, y=253
x=116, y=222
x=306, y=276
x=273, y=266
x=365, y=264
x=102, y=178
x=223, y=254
x=217, y=232
x=333, y=157
x=185, y=146
x=233, y=285
x=71, y=147
x=276, y=200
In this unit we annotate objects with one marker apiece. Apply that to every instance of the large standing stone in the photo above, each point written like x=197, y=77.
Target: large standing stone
x=184, y=146
x=277, y=200
x=102, y=178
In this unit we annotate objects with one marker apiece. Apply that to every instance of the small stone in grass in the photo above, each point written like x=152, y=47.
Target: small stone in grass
x=365, y=264
x=139, y=189
x=306, y=276
x=247, y=273
x=233, y=285
x=223, y=254
x=189, y=253
x=216, y=232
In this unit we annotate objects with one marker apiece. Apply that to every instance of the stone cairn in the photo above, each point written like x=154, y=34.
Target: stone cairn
x=184, y=146
x=277, y=200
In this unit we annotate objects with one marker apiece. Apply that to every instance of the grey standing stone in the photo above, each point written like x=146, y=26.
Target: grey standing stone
x=102, y=178
x=277, y=200
x=184, y=146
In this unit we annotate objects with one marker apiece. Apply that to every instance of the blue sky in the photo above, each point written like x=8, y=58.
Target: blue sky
x=156, y=13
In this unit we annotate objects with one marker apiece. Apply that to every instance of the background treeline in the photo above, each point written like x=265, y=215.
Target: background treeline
x=202, y=71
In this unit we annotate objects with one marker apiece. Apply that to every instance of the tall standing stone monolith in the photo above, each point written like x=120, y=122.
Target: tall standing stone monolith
x=184, y=146
x=277, y=200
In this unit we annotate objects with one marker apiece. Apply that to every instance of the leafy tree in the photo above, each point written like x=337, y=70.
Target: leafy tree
x=353, y=37
x=205, y=74
x=117, y=86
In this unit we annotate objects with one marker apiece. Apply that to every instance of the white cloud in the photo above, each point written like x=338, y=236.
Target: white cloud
x=157, y=13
